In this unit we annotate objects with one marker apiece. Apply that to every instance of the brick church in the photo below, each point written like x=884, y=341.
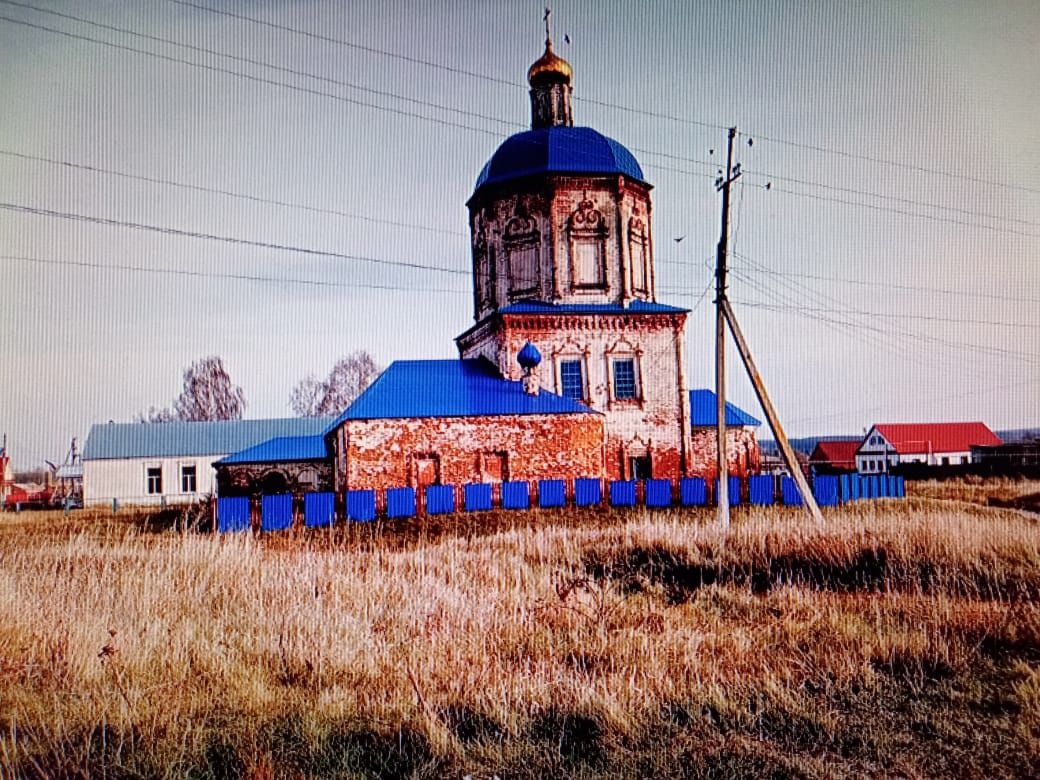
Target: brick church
x=572, y=368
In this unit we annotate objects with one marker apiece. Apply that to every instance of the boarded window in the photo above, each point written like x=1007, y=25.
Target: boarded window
x=427, y=470
x=523, y=268
x=496, y=467
x=638, y=252
x=571, y=381
x=588, y=265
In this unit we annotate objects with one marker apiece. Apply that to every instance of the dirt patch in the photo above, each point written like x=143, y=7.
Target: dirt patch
x=577, y=738
x=470, y=726
x=637, y=568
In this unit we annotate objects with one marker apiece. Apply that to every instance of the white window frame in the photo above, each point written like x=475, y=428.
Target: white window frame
x=148, y=479
x=194, y=477
x=580, y=360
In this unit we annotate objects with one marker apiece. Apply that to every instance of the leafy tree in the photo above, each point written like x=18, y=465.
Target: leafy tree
x=313, y=397
x=207, y=394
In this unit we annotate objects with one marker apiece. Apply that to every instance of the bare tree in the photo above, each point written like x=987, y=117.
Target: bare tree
x=208, y=394
x=306, y=398
x=156, y=415
x=346, y=381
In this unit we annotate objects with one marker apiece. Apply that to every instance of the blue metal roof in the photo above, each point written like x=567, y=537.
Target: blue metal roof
x=558, y=150
x=451, y=388
x=281, y=450
x=158, y=440
x=635, y=307
x=703, y=413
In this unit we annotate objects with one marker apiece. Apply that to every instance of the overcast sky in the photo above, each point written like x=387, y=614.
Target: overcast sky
x=889, y=273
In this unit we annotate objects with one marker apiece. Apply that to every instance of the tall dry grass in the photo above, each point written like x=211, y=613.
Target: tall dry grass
x=576, y=644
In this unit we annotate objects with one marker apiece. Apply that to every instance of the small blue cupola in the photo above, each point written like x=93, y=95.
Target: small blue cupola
x=529, y=357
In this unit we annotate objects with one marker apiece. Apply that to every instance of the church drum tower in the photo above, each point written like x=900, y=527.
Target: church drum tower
x=563, y=257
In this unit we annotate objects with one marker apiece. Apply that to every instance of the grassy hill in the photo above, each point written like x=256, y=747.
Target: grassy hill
x=898, y=639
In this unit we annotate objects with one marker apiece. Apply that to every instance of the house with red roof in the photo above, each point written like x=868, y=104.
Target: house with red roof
x=936, y=444
x=834, y=456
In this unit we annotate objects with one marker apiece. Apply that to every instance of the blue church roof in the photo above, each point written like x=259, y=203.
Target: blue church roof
x=282, y=449
x=703, y=414
x=635, y=307
x=157, y=440
x=558, y=150
x=450, y=388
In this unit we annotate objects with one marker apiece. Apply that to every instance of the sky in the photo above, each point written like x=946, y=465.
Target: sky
x=317, y=152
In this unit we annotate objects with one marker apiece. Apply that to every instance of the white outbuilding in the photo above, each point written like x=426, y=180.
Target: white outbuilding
x=172, y=463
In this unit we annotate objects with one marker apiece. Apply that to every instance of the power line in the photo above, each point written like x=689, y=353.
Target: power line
x=903, y=166
x=251, y=77
x=890, y=342
x=436, y=120
x=284, y=85
x=349, y=44
x=967, y=394
x=1024, y=357
x=761, y=269
x=262, y=64
x=20, y=208
x=926, y=317
x=915, y=214
x=606, y=104
x=217, y=275
x=882, y=196
x=226, y=193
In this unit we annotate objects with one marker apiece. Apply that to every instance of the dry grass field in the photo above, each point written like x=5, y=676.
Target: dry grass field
x=899, y=639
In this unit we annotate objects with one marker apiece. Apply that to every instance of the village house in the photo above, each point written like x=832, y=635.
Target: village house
x=888, y=445
x=834, y=456
x=172, y=462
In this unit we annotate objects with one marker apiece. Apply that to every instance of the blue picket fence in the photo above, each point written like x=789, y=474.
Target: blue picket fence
x=552, y=493
x=319, y=509
x=516, y=495
x=233, y=514
x=282, y=511
x=477, y=497
x=276, y=512
x=361, y=505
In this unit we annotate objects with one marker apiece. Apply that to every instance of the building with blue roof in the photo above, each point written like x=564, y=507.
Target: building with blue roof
x=154, y=463
x=742, y=449
x=572, y=367
x=563, y=258
x=459, y=421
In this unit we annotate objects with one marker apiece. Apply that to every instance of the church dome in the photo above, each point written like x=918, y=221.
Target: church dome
x=549, y=68
x=577, y=150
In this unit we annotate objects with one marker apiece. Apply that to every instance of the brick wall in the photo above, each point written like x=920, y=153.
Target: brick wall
x=546, y=214
x=655, y=424
x=742, y=452
x=398, y=452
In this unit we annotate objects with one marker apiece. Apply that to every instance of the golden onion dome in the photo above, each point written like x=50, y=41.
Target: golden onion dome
x=549, y=68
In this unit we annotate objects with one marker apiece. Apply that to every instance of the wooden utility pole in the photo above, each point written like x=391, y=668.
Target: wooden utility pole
x=724, y=315
x=808, y=499
x=722, y=183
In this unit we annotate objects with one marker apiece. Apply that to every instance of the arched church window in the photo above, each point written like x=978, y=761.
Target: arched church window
x=637, y=252
x=483, y=269
x=588, y=234
x=521, y=242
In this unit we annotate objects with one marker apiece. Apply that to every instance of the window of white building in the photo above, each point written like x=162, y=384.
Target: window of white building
x=153, y=480
x=189, y=479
